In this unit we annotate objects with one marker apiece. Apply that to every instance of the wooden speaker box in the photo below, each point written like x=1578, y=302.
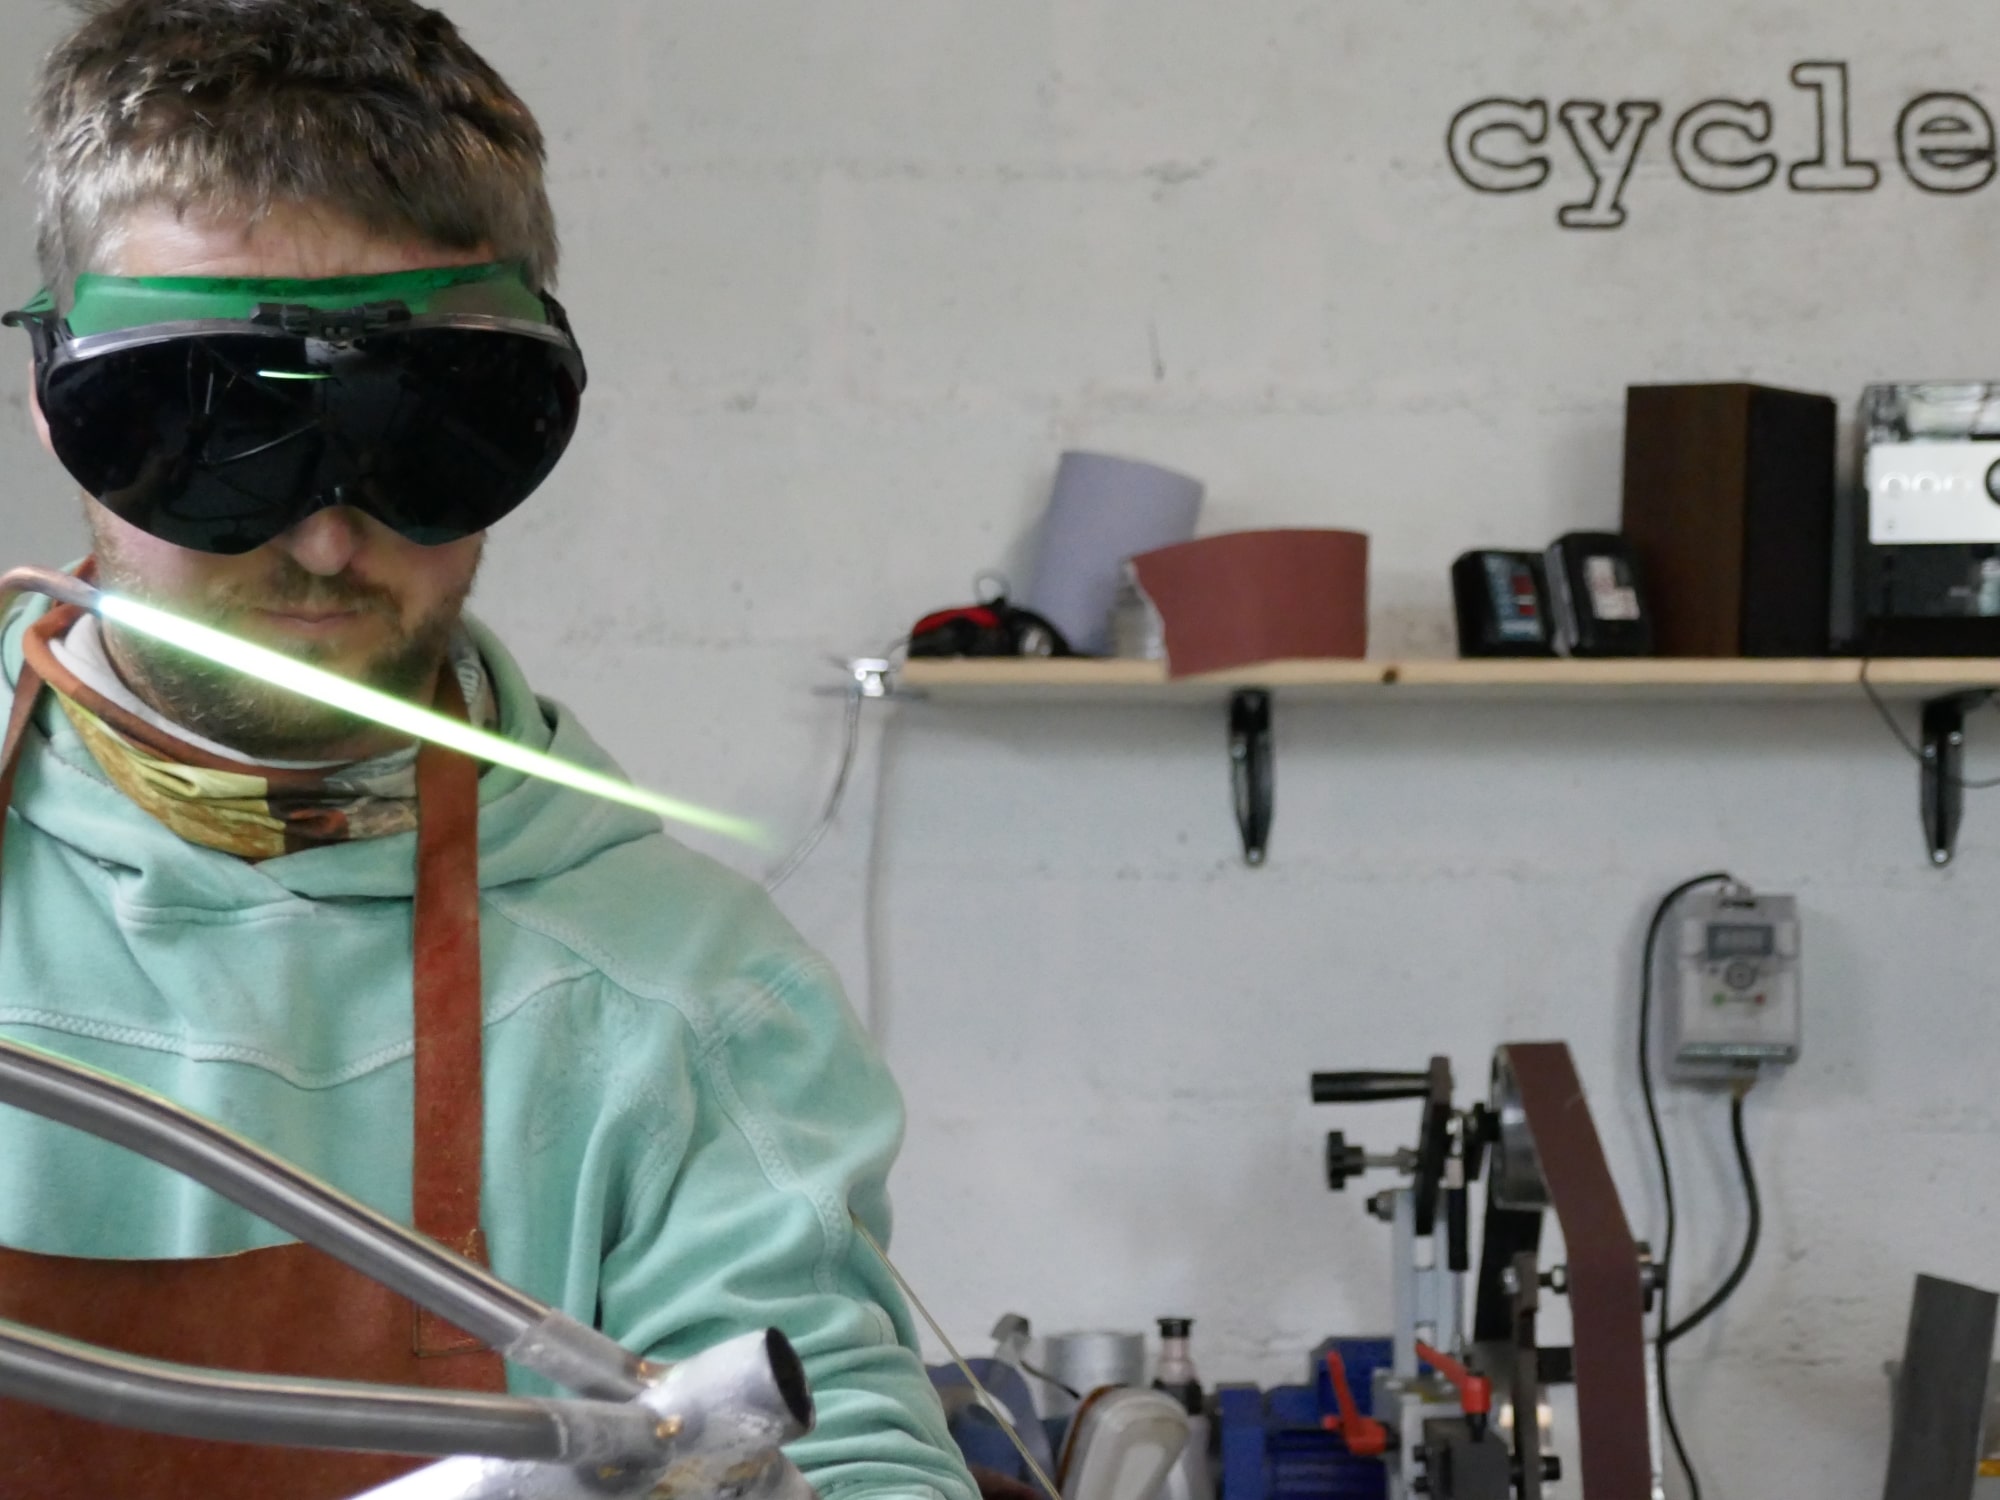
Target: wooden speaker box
x=1729, y=508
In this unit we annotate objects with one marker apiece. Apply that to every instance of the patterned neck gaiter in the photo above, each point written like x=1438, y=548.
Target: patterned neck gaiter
x=236, y=806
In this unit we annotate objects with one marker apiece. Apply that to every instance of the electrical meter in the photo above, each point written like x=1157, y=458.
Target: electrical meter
x=1731, y=985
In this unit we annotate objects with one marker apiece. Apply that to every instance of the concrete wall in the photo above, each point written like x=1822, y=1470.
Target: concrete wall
x=851, y=274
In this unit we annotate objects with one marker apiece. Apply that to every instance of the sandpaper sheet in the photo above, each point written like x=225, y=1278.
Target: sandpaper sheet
x=1606, y=1304
x=1246, y=597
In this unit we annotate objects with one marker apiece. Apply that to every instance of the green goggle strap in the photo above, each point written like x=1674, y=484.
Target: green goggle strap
x=106, y=304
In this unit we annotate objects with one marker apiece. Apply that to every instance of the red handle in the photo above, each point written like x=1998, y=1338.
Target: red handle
x=1365, y=1437
x=1475, y=1392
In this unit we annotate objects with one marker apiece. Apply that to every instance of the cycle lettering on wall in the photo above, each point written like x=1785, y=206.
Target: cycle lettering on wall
x=1945, y=143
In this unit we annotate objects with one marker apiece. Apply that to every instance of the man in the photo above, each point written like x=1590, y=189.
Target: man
x=299, y=351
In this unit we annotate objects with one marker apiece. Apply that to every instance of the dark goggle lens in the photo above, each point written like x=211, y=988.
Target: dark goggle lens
x=220, y=442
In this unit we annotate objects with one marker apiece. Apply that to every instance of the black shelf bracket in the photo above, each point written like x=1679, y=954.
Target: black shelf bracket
x=1251, y=769
x=1941, y=781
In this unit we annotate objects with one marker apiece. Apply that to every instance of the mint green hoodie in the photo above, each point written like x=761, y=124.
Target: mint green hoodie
x=680, y=1107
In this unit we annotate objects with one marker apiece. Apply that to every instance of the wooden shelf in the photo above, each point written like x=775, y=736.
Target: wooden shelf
x=1081, y=680
x=1945, y=687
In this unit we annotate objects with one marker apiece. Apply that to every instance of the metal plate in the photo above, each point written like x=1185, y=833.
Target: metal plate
x=1517, y=1180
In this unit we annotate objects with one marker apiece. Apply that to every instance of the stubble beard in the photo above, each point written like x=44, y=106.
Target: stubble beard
x=256, y=718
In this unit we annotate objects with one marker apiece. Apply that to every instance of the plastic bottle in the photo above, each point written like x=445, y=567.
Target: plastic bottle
x=1176, y=1374
x=1190, y=1478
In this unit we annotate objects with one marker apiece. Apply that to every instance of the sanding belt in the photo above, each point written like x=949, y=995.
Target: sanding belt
x=1606, y=1303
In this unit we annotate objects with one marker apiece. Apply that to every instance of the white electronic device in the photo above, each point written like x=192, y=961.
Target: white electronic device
x=1731, y=985
x=1933, y=492
x=1914, y=567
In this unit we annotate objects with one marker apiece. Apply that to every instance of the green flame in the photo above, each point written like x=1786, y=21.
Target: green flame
x=407, y=718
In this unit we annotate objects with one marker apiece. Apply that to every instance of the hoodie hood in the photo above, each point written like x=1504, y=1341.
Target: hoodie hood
x=529, y=829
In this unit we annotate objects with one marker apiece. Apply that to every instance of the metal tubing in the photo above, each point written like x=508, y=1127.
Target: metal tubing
x=465, y=1295
x=725, y=1411
x=735, y=1400
x=156, y=1397
x=64, y=588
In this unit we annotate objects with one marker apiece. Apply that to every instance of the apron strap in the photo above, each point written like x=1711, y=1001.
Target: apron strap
x=450, y=1114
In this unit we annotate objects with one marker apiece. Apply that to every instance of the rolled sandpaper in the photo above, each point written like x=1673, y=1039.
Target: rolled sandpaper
x=1247, y=597
x=1102, y=510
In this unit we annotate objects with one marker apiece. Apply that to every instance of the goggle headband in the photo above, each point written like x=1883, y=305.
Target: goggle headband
x=112, y=304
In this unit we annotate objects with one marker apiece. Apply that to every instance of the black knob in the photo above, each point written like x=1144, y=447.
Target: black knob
x=1342, y=1160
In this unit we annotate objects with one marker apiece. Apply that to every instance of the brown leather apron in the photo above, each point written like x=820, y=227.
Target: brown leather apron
x=288, y=1310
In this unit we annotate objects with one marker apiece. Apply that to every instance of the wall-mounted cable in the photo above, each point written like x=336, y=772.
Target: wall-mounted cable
x=1752, y=1233
x=1666, y=1260
x=836, y=794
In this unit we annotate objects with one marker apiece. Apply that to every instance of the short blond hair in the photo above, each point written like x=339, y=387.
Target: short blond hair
x=376, y=109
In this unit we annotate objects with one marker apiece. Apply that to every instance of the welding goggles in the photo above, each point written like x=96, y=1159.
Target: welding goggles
x=217, y=414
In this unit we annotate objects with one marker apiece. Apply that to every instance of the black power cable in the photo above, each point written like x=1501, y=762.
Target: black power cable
x=1666, y=1260
x=1751, y=1235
